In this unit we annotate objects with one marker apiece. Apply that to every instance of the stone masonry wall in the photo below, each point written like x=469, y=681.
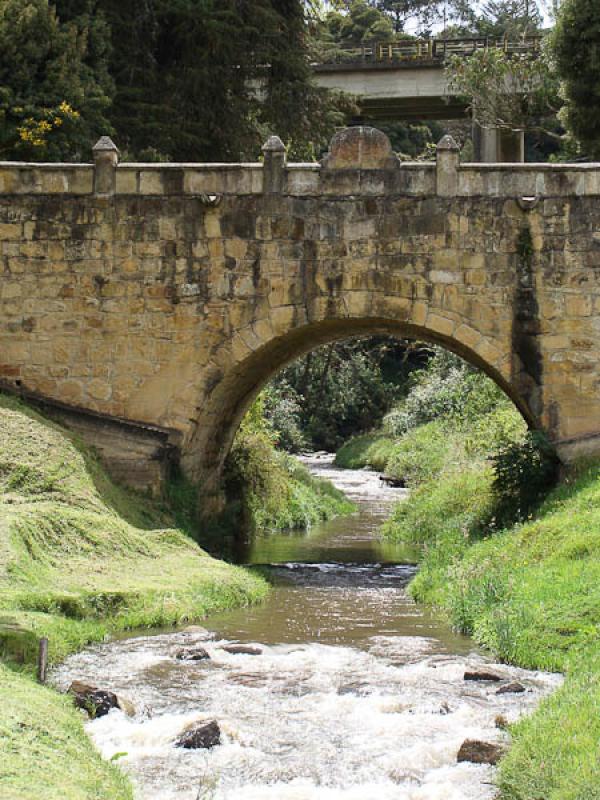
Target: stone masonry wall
x=168, y=294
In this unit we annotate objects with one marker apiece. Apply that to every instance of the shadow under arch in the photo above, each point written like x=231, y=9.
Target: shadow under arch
x=228, y=400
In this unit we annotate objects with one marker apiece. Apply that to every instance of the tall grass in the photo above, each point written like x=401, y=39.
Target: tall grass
x=81, y=558
x=277, y=492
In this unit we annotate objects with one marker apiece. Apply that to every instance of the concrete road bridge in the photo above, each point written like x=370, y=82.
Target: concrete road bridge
x=146, y=305
x=406, y=80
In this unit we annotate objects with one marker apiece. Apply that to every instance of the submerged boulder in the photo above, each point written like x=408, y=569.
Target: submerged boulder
x=511, y=688
x=192, y=654
x=197, y=631
x=206, y=735
x=482, y=675
x=98, y=702
x=478, y=752
x=242, y=649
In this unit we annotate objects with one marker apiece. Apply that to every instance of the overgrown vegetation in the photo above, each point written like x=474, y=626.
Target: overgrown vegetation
x=81, y=558
x=338, y=390
x=276, y=492
x=514, y=564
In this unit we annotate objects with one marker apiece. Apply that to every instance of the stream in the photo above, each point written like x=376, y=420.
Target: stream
x=357, y=693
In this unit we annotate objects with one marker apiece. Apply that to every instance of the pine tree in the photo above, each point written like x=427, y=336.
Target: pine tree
x=210, y=79
x=576, y=48
x=510, y=18
x=52, y=100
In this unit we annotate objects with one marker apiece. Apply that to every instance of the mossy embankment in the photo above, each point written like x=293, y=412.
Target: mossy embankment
x=514, y=563
x=275, y=491
x=80, y=559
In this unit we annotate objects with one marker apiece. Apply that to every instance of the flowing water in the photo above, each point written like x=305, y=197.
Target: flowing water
x=357, y=693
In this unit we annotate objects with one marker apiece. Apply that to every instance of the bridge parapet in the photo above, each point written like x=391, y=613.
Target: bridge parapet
x=332, y=176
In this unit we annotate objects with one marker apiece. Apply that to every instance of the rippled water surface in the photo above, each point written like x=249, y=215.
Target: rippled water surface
x=357, y=694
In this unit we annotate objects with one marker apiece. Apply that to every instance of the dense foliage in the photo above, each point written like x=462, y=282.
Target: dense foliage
x=339, y=390
x=396, y=17
x=54, y=82
x=271, y=490
x=455, y=430
x=576, y=49
x=170, y=79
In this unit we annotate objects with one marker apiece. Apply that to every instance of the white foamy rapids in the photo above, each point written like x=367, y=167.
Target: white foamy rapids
x=302, y=722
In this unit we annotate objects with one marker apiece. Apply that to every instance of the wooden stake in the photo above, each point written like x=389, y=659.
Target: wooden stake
x=42, y=664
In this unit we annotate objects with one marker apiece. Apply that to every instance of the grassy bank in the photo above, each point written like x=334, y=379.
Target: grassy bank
x=531, y=594
x=276, y=491
x=81, y=558
x=520, y=576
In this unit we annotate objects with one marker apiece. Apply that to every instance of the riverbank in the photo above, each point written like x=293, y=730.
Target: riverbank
x=81, y=559
x=530, y=593
x=270, y=490
x=519, y=573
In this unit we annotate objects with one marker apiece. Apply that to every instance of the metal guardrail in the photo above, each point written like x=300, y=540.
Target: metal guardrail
x=404, y=50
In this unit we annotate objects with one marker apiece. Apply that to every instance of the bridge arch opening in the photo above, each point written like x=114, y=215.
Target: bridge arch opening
x=231, y=396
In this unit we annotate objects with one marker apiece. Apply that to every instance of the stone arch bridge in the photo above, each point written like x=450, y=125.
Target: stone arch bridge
x=146, y=304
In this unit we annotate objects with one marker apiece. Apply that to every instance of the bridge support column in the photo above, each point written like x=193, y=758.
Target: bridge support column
x=498, y=145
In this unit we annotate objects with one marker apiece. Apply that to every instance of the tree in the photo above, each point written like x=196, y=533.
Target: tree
x=210, y=79
x=510, y=91
x=52, y=101
x=362, y=22
x=424, y=13
x=510, y=18
x=576, y=49
x=339, y=390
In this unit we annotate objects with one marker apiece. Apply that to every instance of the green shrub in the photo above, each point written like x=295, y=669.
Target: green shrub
x=524, y=473
x=422, y=454
x=277, y=492
x=447, y=389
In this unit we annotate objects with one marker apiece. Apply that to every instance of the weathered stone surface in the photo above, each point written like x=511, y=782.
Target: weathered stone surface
x=360, y=147
x=157, y=307
x=202, y=736
x=478, y=752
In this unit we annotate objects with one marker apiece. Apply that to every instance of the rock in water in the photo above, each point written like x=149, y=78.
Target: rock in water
x=126, y=706
x=482, y=675
x=98, y=702
x=242, y=649
x=202, y=736
x=511, y=688
x=191, y=654
x=197, y=630
x=480, y=752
